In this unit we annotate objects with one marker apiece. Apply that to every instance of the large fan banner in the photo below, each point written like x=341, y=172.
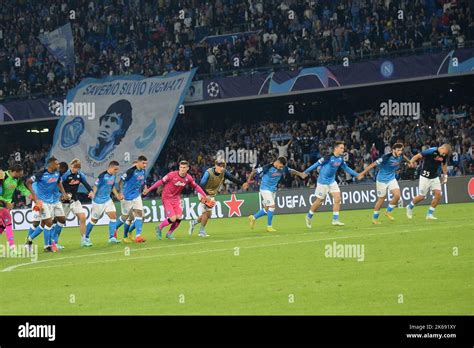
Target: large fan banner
x=118, y=118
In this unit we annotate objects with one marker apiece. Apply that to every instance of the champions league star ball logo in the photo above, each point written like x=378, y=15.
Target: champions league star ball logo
x=213, y=89
x=55, y=107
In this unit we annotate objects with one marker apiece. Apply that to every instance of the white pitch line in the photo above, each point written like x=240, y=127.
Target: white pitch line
x=8, y=269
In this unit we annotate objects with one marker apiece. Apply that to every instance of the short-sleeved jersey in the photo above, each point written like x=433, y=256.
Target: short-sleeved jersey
x=46, y=187
x=72, y=181
x=432, y=161
x=330, y=164
x=388, y=165
x=105, y=183
x=133, y=179
x=271, y=176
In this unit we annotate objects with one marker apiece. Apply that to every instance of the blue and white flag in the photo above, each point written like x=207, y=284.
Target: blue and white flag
x=60, y=43
x=118, y=118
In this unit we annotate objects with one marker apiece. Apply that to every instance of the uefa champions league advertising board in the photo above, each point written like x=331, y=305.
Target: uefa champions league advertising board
x=360, y=196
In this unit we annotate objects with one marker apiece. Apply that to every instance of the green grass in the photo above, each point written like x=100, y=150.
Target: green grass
x=413, y=258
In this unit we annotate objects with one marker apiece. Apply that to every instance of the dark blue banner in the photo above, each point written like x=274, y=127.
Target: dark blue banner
x=453, y=62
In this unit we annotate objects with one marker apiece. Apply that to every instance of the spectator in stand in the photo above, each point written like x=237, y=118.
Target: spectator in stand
x=158, y=39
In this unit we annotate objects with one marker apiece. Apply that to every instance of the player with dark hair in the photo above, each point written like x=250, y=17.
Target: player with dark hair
x=102, y=203
x=174, y=183
x=271, y=176
x=10, y=181
x=388, y=165
x=211, y=182
x=434, y=162
x=46, y=200
x=329, y=164
x=130, y=184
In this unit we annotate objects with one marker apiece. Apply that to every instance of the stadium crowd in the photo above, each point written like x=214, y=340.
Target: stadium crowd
x=158, y=38
x=367, y=136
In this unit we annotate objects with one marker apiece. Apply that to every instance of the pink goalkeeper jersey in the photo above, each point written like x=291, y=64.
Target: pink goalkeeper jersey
x=174, y=184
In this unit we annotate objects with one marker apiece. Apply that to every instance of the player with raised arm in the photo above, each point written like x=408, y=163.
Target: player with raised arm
x=174, y=183
x=45, y=197
x=388, y=165
x=10, y=181
x=211, y=182
x=103, y=203
x=434, y=161
x=130, y=184
x=271, y=175
x=326, y=182
x=71, y=180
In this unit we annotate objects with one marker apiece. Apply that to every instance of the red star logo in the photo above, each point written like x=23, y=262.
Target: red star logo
x=234, y=205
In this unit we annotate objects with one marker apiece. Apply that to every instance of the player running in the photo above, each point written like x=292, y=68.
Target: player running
x=174, y=183
x=211, y=182
x=10, y=181
x=327, y=182
x=130, y=184
x=102, y=203
x=71, y=179
x=434, y=160
x=46, y=199
x=388, y=165
x=271, y=176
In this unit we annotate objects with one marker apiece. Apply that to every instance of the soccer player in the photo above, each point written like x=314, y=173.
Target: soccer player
x=327, y=182
x=10, y=181
x=388, y=165
x=71, y=180
x=174, y=183
x=130, y=184
x=271, y=176
x=102, y=203
x=434, y=160
x=45, y=197
x=211, y=182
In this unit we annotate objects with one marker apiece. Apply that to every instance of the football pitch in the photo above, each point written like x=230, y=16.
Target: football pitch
x=404, y=267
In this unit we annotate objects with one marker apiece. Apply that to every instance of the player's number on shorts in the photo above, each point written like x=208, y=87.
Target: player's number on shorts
x=425, y=173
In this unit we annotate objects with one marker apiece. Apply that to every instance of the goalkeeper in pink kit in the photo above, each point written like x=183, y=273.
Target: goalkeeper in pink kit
x=174, y=183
